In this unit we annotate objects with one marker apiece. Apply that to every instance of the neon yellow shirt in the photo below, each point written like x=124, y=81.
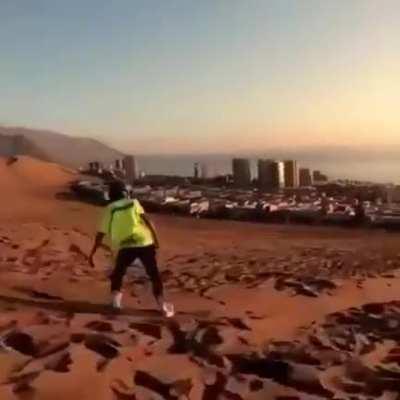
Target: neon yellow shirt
x=123, y=225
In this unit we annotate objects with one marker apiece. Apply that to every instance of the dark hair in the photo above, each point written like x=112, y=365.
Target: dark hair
x=116, y=191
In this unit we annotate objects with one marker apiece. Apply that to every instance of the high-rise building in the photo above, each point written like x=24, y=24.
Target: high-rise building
x=241, y=172
x=271, y=175
x=196, y=173
x=130, y=167
x=319, y=177
x=204, y=171
x=305, y=178
x=95, y=166
x=393, y=194
x=291, y=174
x=201, y=171
x=118, y=164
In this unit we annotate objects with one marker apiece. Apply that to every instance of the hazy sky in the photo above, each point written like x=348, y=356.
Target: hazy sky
x=203, y=75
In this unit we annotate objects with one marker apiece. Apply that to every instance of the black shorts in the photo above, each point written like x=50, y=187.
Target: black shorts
x=126, y=257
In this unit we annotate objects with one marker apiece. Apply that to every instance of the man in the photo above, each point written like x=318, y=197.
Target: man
x=132, y=236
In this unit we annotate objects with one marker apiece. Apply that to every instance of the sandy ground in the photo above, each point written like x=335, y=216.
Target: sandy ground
x=264, y=312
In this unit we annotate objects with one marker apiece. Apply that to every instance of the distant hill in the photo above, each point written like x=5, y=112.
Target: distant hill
x=56, y=147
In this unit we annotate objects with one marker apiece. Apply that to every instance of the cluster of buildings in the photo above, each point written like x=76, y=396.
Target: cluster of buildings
x=274, y=175
x=125, y=168
x=305, y=205
x=280, y=192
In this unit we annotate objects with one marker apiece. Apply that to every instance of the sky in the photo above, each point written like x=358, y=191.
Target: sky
x=206, y=76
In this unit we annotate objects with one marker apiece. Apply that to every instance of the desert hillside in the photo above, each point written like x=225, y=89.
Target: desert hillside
x=53, y=146
x=263, y=312
x=27, y=172
x=29, y=188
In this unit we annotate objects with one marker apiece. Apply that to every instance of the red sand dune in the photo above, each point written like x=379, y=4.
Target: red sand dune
x=266, y=312
x=27, y=173
x=28, y=188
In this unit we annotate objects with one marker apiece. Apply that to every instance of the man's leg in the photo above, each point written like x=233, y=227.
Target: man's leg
x=147, y=256
x=124, y=259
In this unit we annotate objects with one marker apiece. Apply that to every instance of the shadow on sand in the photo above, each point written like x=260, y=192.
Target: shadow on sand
x=83, y=307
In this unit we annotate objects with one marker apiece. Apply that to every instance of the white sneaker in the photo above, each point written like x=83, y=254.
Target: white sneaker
x=168, y=309
x=117, y=300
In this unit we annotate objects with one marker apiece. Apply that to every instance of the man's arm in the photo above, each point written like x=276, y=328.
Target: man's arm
x=101, y=233
x=97, y=243
x=152, y=228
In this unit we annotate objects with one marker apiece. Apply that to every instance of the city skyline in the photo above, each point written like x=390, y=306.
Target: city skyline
x=184, y=77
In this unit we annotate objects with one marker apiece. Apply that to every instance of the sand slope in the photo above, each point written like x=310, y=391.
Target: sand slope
x=29, y=188
x=32, y=175
x=264, y=312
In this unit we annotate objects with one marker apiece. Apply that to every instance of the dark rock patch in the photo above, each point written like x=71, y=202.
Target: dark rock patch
x=102, y=345
x=22, y=342
x=152, y=330
x=61, y=363
x=100, y=326
x=148, y=381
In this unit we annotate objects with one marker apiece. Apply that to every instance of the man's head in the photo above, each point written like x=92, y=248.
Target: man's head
x=117, y=191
